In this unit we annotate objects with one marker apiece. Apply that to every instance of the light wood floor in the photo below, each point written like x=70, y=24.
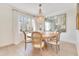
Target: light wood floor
x=66, y=49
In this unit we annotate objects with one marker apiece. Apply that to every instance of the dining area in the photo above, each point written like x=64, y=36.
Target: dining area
x=46, y=44
x=42, y=41
x=43, y=32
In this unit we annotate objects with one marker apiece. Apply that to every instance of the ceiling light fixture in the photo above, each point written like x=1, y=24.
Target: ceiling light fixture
x=40, y=18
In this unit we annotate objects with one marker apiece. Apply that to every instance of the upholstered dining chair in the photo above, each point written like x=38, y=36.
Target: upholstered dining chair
x=37, y=41
x=54, y=40
x=27, y=40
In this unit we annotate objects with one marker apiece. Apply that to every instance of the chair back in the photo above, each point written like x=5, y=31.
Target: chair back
x=55, y=36
x=36, y=38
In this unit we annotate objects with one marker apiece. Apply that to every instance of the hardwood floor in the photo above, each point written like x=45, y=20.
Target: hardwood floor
x=66, y=49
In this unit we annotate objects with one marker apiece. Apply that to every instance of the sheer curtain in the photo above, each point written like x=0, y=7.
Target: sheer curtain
x=24, y=21
x=21, y=21
x=33, y=24
x=47, y=26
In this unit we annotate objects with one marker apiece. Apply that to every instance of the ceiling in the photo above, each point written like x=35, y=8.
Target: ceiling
x=47, y=8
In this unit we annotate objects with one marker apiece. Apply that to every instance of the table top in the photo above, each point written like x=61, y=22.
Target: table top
x=45, y=35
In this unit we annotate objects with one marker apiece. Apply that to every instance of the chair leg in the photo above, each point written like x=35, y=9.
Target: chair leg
x=57, y=48
x=51, y=45
x=25, y=46
x=41, y=51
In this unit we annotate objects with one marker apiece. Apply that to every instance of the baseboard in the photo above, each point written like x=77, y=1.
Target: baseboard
x=69, y=41
x=77, y=46
x=7, y=44
x=17, y=42
x=12, y=43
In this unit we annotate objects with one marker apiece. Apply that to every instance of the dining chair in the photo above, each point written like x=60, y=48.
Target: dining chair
x=27, y=40
x=37, y=41
x=54, y=40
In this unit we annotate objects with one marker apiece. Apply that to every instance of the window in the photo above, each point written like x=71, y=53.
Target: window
x=47, y=26
x=33, y=25
x=22, y=22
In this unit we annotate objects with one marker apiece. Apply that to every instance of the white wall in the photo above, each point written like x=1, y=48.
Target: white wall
x=70, y=34
x=77, y=44
x=9, y=27
x=6, y=34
